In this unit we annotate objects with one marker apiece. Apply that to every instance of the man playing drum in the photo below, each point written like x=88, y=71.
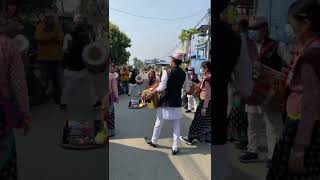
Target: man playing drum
x=170, y=100
x=260, y=122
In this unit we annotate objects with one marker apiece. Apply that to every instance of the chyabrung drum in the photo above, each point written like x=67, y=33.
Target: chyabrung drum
x=154, y=101
x=266, y=90
x=94, y=55
x=194, y=89
x=139, y=79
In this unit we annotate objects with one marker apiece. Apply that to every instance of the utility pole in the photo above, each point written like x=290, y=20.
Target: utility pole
x=209, y=35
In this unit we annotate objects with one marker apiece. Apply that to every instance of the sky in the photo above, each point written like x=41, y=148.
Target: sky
x=156, y=38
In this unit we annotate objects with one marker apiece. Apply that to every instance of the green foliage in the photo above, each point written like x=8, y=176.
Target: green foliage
x=186, y=34
x=118, y=42
x=138, y=63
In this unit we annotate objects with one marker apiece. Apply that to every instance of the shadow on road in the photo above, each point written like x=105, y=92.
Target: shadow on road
x=134, y=163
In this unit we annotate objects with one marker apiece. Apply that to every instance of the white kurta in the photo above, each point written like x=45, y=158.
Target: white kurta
x=170, y=113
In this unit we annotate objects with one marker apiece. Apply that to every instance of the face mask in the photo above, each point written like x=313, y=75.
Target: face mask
x=242, y=34
x=254, y=35
x=290, y=33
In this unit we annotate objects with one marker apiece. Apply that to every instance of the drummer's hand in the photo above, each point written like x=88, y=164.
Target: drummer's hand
x=148, y=96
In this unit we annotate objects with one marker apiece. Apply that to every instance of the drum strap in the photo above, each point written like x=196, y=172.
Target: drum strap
x=290, y=72
x=265, y=49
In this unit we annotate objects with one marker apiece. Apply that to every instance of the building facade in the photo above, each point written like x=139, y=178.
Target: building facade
x=277, y=14
x=200, y=48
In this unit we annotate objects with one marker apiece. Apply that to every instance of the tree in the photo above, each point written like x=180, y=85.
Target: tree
x=137, y=63
x=186, y=35
x=118, y=43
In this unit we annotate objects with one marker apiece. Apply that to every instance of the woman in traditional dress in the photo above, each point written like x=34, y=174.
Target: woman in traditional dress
x=151, y=78
x=113, y=98
x=200, y=128
x=297, y=154
x=14, y=103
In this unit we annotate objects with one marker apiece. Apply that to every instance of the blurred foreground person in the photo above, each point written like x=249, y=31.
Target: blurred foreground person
x=297, y=154
x=14, y=102
x=228, y=58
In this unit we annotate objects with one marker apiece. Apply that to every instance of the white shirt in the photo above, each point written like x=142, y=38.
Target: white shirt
x=284, y=53
x=66, y=40
x=170, y=113
x=243, y=71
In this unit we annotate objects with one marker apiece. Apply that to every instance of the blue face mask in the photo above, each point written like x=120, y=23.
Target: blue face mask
x=290, y=34
x=254, y=35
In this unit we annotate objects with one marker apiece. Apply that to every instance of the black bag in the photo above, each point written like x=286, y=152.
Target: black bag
x=37, y=92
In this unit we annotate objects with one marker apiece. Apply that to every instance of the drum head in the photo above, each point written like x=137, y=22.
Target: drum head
x=139, y=79
x=94, y=54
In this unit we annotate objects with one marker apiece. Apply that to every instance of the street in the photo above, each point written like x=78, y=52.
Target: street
x=131, y=158
x=41, y=157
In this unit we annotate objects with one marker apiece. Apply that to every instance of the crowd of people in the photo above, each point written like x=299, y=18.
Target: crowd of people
x=59, y=55
x=286, y=129
x=175, y=83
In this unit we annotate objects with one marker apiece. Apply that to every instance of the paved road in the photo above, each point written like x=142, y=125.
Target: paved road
x=39, y=153
x=128, y=157
x=132, y=158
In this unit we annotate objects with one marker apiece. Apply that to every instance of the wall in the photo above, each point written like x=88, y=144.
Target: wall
x=276, y=12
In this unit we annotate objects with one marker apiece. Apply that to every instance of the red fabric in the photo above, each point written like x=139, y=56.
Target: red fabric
x=288, y=73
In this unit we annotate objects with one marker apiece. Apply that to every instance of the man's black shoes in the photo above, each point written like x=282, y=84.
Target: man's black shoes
x=148, y=141
x=175, y=152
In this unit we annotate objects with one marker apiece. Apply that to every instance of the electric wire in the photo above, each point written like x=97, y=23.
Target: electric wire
x=156, y=18
x=198, y=23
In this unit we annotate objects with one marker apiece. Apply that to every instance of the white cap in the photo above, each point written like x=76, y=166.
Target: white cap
x=77, y=18
x=178, y=54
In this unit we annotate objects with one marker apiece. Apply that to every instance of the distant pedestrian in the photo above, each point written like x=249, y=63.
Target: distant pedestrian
x=200, y=128
x=49, y=35
x=192, y=98
x=124, y=77
x=133, y=82
x=113, y=98
x=75, y=67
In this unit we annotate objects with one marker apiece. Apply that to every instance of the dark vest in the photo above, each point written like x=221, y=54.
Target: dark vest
x=171, y=97
x=270, y=57
x=80, y=38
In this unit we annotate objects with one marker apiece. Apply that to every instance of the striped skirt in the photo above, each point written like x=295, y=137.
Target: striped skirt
x=200, y=128
x=111, y=124
x=279, y=169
